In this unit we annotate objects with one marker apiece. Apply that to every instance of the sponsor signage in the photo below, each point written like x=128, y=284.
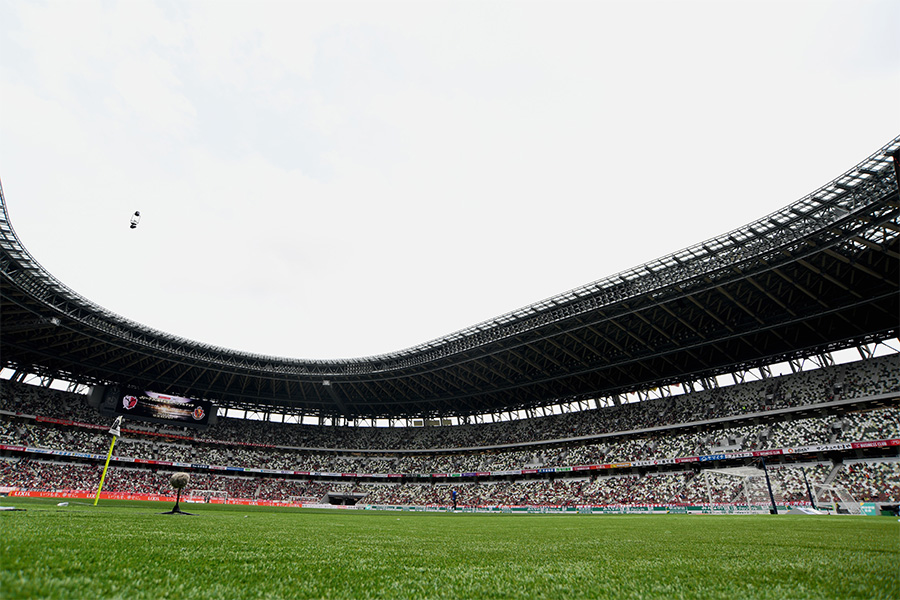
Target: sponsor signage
x=150, y=497
x=774, y=452
x=868, y=509
x=875, y=444
x=715, y=457
x=828, y=447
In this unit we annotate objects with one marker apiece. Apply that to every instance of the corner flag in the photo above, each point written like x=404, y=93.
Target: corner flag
x=116, y=431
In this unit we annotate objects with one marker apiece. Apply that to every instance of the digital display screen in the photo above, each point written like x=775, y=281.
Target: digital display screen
x=163, y=408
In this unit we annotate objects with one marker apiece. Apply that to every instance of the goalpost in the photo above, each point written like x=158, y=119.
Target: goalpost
x=747, y=486
x=838, y=497
x=208, y=496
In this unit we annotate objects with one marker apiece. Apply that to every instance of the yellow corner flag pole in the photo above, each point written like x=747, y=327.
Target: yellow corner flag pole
x=114, y=430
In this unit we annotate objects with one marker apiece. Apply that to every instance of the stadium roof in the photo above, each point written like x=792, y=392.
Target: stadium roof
x=818, y=275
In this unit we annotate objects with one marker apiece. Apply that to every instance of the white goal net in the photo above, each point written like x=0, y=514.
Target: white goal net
x=741, y=486
x=207, y=496
x=839, y=499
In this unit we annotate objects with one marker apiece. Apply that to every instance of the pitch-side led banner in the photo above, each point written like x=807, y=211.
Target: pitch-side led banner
x=151, y=497
x=163, y=408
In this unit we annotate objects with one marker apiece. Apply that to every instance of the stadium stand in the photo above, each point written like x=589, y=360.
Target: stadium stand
x=52, y=441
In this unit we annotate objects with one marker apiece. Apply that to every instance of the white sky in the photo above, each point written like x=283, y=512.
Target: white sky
x=336, y=180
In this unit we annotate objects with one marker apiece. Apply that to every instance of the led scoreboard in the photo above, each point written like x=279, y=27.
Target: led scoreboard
x=163, y=408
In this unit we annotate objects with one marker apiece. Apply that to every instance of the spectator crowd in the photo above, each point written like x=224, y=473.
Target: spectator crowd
x=647, y=430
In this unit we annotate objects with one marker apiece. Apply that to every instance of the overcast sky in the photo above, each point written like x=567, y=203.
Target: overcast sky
x=337, y=179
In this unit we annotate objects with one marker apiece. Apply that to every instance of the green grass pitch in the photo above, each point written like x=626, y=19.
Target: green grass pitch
x=128, y=550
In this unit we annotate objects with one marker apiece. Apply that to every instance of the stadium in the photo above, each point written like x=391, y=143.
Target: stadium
x=652, y=391
x=609, y=395
x=226, y=229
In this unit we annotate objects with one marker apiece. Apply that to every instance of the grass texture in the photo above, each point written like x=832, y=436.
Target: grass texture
x=128, y=550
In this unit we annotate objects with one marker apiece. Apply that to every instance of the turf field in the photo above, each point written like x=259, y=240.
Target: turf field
x=127, y=550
